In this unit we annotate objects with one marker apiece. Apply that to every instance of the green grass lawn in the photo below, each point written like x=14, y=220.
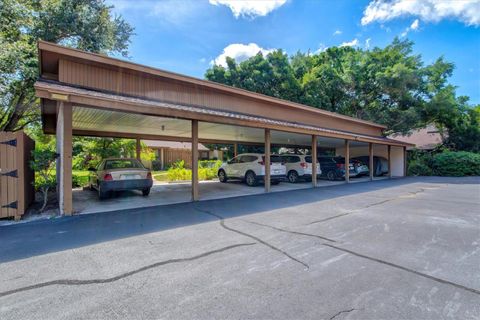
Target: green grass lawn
x=160, y=175
x=81, y=177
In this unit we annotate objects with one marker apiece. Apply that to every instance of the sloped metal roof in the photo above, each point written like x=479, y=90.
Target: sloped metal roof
x=54, y=86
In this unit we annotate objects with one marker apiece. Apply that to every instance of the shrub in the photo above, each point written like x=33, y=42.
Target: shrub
x=419, y=168
x=179, y=174
x=156, y=165
x=419, y=163
x=43, y=164
x=212, y=164
x=207, y=170
x=80, y=179
x=456, y=164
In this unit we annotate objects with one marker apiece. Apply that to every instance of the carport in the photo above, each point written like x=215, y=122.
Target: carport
x=88, y=94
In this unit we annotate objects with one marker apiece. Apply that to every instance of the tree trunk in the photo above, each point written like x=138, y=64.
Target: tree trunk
x=45, y=199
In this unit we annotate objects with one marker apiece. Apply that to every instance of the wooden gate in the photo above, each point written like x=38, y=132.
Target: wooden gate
x=16, y=177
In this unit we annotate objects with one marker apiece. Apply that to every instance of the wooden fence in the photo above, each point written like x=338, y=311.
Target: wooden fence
x=16, y=178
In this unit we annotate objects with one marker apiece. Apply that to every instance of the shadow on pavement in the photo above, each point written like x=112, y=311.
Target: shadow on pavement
x=46, y=236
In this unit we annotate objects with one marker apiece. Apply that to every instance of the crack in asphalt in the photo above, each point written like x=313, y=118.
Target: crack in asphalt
x=459, y=286
x=366, y=207
x=75, y=282
x=222, y=223
x=418, y=273
x=290, y=231
x=351, y=212
x=340, y=312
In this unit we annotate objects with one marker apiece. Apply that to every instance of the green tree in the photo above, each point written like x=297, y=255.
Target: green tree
x=84, y=24
x=457, y=121
x=271, y=75
x=389, y=85
x=43, y=164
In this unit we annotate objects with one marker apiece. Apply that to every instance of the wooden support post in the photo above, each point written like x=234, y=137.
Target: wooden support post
x=314, y=161
x=370, y=155
x=138, y=149
x=235, y=149
x=162, y=158
x=64, y=149
x=195, y=160
x=267, y=160
x=389, y=155
x=404, y=161
x=347, y=161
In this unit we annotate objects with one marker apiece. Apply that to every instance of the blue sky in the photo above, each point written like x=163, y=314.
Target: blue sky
x=186, y=36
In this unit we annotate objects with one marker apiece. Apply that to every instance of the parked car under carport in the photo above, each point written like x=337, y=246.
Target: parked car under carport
x=380, y=165
x=119, y=174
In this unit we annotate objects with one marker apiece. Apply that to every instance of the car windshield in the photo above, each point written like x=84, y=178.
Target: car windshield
x=123, y=164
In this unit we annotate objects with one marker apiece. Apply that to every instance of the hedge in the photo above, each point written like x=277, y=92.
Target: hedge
x=207, y=170
x=79, y=178
x=456, y=164
x=447, y=163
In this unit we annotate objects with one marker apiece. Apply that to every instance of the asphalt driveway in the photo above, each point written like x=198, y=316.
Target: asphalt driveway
x=391, y=249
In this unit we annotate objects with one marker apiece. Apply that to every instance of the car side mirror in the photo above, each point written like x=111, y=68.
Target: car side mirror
x=92, y=169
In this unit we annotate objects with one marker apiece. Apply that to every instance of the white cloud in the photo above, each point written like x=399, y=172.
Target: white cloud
x=250, y=8
x=321, y=48
x=414, y=26
x=239, y=52
x=466, y=11
x=353, y=43
x=367, y=43
x=337, y=32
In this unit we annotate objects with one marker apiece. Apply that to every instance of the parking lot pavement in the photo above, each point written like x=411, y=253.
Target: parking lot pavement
x=391, y=249
x=86, y=201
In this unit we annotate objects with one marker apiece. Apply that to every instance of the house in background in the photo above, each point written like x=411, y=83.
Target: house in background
x=427, y=138
x=168, y=152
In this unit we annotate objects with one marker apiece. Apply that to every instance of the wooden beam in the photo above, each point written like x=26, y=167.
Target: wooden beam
x=347, y=161
x=145, y=108
x=235, y=149
x=64, y=149
x=404, y=161
x=138, y=148
x=314, y=161
x=267, y=160
x=124, y=135
x=389, y=155
x=195, y=196
x=370, y=158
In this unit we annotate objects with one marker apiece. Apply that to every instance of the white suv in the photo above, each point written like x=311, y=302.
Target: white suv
x=299, y=166
x=250, y=167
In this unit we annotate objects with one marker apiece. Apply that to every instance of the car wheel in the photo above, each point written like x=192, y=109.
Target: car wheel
x=222, y=176
x=102, y=194
x=292, y=176
x=331, y=175
x=146, y=192
x=251, y=179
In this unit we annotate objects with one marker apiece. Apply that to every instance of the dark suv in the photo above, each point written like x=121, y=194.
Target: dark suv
x=333, y=168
